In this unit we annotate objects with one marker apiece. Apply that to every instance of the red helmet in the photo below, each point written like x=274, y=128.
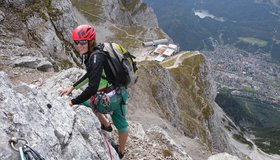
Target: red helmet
x=83, y=32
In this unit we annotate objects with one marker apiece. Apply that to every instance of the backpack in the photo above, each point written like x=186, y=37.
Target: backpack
x=121, y=62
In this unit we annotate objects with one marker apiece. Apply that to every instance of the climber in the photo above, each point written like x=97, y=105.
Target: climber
x=100, y=95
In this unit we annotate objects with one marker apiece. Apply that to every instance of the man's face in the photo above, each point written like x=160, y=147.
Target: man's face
x=82, y=46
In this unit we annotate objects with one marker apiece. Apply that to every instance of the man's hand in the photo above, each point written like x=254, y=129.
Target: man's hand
x=66, y=91
x=69, y=102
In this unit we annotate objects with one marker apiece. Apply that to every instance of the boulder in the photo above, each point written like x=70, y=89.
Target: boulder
x=41, y=64
x=223, y=156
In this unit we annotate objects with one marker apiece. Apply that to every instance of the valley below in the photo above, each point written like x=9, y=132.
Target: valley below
x=249, y=90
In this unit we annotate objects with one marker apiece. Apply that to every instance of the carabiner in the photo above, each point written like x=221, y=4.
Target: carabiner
x=13, y=141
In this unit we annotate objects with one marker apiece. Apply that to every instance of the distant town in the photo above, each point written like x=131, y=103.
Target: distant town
x=249, y=75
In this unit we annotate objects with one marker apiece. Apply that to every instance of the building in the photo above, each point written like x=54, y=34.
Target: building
x=164, y=51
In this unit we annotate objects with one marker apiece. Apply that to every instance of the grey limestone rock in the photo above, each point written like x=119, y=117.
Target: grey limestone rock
x=54, y=129
x=2, y=15
x=223, y=156
x=32, y=62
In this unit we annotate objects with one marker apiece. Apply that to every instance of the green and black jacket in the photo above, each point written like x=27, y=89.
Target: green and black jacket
x=97, y=68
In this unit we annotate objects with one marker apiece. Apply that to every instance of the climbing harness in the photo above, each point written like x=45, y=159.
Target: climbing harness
x=25, y=151
x=103, y=97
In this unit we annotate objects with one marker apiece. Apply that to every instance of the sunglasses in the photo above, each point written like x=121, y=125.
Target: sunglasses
x=82, y=42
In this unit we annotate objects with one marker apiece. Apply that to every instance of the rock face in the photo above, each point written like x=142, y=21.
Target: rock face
x=2, y=16
x=153, y=143
x=223, y=156
x=42, y=64
x=129, y=12
x=55, y=130
x=37, y=29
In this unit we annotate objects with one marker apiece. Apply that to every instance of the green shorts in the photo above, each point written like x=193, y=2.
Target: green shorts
x=118, y=110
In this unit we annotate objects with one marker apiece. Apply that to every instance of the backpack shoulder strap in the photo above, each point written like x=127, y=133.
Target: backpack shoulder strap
x=117, y=57
x=100, y=51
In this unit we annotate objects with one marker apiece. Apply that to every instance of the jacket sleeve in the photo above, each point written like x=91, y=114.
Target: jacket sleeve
x=94, y=72
x=81, y=81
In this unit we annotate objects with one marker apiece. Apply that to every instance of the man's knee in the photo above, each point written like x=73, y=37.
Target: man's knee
x=123, y=130
x=120, y=123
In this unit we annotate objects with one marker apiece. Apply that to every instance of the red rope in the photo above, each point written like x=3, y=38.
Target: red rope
x=108, y=146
